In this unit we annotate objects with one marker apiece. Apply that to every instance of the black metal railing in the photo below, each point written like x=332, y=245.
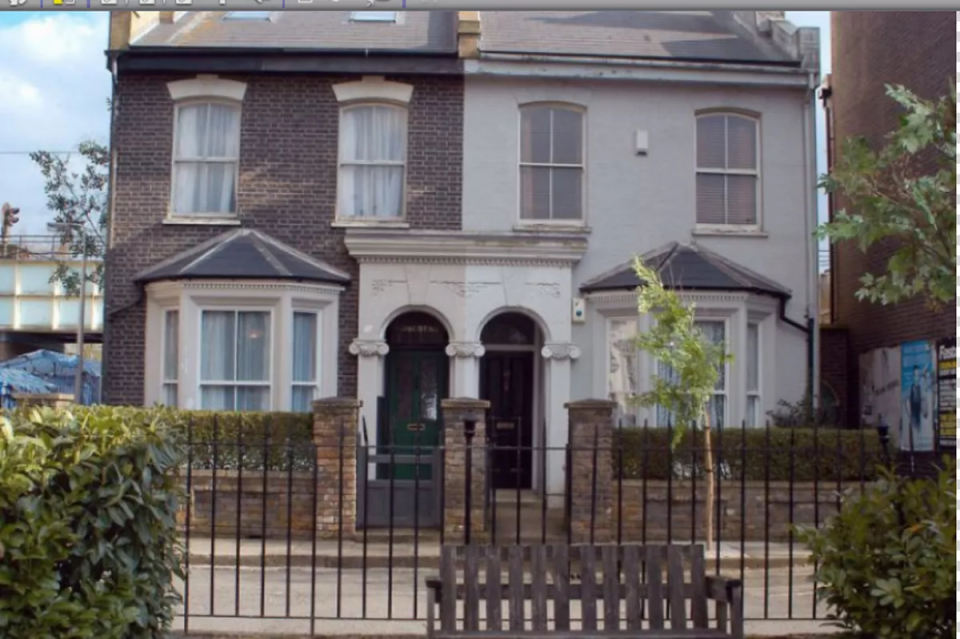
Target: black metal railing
x=288, y=529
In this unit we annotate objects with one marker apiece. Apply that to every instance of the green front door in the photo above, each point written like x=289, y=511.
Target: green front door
x=416, y=382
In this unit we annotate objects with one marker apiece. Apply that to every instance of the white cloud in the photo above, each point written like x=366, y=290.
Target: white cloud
x=55, y=97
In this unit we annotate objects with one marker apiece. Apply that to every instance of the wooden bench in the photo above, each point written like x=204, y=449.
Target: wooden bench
x=603, y=575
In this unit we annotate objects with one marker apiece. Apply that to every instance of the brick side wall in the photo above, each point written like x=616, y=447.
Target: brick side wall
x=287, y=188
x=835, y=363
x=871, y=49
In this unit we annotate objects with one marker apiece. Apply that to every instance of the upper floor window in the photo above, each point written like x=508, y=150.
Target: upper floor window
x=551, y=163
x=728, y=174
x=206, y=158
x=373, y=157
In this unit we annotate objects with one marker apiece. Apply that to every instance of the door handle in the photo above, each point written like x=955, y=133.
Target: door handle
x=415, y=428
x=505, y=425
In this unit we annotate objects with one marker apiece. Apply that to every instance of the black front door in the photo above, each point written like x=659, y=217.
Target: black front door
x=506, y=381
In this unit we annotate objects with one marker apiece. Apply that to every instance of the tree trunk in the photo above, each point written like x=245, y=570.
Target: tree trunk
x=708, y=506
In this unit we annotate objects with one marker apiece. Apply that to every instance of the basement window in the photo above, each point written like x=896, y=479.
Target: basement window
x=248, y=15
x=373, y=16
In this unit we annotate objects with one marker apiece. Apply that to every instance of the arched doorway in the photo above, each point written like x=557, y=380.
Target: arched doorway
x=509, y=381
x=417, y=375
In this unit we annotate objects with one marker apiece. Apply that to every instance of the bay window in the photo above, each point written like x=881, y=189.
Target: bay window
x=753, y=416
x=235, y=360
x=304, y=361
x=206, y=159
x=714, y=331
x=171, y=357
x=373, y=156
x=622, y=368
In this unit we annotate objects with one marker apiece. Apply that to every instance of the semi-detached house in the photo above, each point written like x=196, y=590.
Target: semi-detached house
x=403, y=207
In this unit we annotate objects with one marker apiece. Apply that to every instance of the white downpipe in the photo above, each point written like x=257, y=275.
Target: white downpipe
x=812, y=221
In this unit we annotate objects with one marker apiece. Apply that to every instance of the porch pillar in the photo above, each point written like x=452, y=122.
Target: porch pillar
x=466, y=368
x=456, y=413
x=557, y=359
x=335, y=436
x=370, y=356
x=591, y=470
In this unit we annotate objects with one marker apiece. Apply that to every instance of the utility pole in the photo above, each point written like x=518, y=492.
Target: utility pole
x=11, y=215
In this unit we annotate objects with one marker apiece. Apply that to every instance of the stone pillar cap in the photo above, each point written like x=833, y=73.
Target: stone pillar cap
x=588, y=404
x=337, y=403
x=466, y=403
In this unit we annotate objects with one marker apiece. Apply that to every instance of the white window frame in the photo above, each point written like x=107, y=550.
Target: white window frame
x=757, y=226
x=608, y=347
x=758, y=393
x=318, y=359
x=582, y=110
x=341, y=163
x=165, y=381
x=271, y=327
x=175, y=160
x=725, y=393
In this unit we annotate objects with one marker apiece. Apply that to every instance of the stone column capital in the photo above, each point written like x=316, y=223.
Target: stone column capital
x=465, y=349
x=369, y=348
x=560, y=350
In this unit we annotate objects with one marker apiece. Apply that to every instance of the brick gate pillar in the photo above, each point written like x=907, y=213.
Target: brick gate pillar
x=335, y=436
x=590, y=469
x=456, y=413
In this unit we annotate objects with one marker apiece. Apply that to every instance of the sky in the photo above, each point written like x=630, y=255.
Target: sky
x=55, y=96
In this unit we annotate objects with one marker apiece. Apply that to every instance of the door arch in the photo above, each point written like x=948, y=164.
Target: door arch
x=509, y=380
x=417, y=377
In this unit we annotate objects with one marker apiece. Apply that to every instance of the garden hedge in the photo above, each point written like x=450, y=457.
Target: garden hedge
x=821, y=454
x=282, y=439
x=88, y=533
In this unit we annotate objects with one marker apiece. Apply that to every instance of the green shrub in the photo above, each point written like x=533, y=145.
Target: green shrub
x=279, y=439
x=887, y=561
x=88, y=535
x=821, y=454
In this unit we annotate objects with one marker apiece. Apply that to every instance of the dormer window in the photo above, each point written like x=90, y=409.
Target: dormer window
x=373, y=16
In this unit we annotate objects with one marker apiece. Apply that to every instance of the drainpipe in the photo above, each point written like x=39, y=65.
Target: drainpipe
x=811, y=223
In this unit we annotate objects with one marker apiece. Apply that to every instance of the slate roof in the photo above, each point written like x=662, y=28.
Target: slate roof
x=427, y=32
x=679, y=35
x=688, y=267
x=243, y=254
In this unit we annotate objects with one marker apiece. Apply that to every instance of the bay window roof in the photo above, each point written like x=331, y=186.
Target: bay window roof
x=688, y=267
x=243, y=254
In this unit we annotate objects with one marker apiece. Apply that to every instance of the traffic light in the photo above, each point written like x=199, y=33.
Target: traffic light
x=11, y=215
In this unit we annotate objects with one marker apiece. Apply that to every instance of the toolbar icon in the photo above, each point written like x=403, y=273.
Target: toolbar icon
x=17, y=3
x=184, y=2
x=64, y=3
x=108, y=3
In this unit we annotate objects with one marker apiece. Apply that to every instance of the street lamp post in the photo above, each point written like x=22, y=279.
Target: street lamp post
x=78, y=381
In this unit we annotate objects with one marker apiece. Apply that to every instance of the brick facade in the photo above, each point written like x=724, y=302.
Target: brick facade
x=836, y=362
x=287, y=189
x=871, y=49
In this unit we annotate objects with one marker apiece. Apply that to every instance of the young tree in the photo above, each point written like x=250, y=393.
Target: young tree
x=906, y=192
x=78, y=199
x=693, y=362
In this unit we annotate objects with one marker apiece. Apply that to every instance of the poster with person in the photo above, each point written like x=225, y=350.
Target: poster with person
x=880, y=390
x=917, y=397
x=947, y=392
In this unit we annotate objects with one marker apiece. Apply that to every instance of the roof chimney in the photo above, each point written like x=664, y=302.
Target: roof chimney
x=468, y=34
x=127, y=26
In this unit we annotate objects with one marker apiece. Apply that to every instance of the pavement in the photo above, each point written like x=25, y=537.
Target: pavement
x=243, y=600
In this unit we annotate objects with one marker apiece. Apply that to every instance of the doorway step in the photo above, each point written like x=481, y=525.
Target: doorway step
x=533, y=519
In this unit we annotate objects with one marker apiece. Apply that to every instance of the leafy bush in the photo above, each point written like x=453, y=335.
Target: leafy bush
x=887, y=561
x=88, y=536
x=279, y=439
x=816, y=454
x=802, y=414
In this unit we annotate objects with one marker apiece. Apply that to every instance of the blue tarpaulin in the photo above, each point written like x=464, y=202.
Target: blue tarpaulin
x=59, y=370
x=13, y=380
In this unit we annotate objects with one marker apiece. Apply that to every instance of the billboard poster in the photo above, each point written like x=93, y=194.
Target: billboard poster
x=947, y=392
x=917, y=397
x=880, y=390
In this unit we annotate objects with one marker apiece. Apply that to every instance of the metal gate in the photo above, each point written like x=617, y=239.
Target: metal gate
x=385, y=500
